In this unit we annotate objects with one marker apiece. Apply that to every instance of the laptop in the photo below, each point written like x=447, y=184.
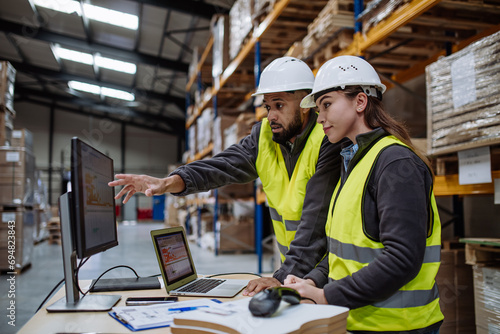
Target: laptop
x=178, y=270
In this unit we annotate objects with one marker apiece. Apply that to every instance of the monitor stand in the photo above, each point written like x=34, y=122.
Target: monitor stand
x=72, y=302
x=88, y=303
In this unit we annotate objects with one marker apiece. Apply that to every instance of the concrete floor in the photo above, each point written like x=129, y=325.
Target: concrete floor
x=135, y=249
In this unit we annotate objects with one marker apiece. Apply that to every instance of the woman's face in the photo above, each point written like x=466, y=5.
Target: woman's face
x=339, y=116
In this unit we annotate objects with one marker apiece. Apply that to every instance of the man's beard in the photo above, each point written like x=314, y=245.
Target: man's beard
x=288, y=133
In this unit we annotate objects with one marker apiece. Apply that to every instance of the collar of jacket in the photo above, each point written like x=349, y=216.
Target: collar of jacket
x=365, y=141
x=301, y=139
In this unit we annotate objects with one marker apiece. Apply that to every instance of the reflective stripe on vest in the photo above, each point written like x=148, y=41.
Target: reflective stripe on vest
x=286, y=195
x=413, y=306
x=366, y=254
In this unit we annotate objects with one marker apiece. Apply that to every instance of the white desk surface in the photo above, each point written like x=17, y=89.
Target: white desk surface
x=97, y=322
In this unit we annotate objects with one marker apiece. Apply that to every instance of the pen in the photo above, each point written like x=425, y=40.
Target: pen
x=183, y=309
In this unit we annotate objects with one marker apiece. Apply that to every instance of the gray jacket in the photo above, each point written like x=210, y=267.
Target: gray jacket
x=237, y=164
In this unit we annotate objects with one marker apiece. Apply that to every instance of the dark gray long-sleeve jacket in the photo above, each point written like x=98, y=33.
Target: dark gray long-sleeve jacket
x=237, y=165
x=396, y=213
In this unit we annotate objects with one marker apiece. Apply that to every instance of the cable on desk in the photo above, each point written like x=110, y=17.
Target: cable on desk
x=306, y=298
x=50, y=294
x=75, y=277
x=243, y=273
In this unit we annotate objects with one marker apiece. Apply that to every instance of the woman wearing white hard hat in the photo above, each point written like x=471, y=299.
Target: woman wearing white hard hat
x=383, y=227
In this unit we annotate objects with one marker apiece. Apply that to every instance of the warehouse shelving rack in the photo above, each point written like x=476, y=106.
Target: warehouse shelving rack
x=409, y=29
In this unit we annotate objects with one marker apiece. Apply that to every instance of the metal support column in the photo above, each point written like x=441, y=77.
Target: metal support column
x=123, y=145
x=51, y=150
x=186, y=133
x=358, y=9
x=259, y=217
x=216, y=196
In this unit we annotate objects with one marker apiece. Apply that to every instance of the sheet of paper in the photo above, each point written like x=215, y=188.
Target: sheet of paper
x=463, y=79
x=141, y=317
x=474, y=166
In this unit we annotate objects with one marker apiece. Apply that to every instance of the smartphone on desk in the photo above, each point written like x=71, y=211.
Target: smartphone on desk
x=136, y=301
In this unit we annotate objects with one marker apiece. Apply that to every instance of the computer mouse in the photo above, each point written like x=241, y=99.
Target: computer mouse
x=266, y=302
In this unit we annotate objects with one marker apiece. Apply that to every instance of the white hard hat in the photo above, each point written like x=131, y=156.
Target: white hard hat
x=285, y=74
x=345, y=71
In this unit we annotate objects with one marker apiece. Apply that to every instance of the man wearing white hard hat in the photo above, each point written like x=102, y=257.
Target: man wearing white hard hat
x=383, y=227
x=289, y=152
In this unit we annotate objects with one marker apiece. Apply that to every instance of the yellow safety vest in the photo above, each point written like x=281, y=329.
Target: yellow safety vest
x=415, y=305
x=286, y=195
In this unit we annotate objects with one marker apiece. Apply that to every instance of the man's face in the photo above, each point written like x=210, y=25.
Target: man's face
x=284, y=114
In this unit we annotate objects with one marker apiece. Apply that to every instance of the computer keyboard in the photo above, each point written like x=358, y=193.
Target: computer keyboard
x=202, y=285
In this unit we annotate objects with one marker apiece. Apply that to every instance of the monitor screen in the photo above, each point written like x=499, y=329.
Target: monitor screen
x=175, y=257
x=93, y=200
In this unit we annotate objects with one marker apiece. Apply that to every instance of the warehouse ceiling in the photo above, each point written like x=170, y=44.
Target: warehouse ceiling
x=161, y=48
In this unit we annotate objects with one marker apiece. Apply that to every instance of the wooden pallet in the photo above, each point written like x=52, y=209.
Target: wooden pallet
x=16, y=271
x=54, y=228
x=485, y=251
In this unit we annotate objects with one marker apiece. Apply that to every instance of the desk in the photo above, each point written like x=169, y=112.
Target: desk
x=97, y=322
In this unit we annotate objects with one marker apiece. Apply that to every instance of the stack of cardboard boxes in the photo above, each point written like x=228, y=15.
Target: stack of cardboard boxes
x=7, y=113
x=17, y=182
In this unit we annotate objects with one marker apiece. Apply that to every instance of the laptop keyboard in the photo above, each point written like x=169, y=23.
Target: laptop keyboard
x=202, y=285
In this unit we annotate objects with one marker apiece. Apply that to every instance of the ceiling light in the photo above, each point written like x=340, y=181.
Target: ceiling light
x=84, y=87
x=63, y=6
x=110, y=16
x=81, y=57
x=94, y=89
x=116, y=65
x=117, y=94
x=89, y=59
x=92, y=12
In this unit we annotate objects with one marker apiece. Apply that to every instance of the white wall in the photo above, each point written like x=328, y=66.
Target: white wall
x=146, y=152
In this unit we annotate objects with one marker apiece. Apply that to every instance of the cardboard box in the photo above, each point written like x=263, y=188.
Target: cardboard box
x=221, y=123
x=6, y=126
x=236, y=234
x=244, y=124
x=487, y=298
x=22, y=138
x=237, y=191
x=20, y=224
x=17, y=176
x=204, y=127
x=7, y=80
x=456, y=292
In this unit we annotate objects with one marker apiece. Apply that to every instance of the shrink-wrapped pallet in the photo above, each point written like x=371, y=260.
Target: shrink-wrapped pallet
x=240, y=25
x=463, y=101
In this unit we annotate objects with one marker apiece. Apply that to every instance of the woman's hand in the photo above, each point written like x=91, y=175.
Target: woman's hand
x=306, y=288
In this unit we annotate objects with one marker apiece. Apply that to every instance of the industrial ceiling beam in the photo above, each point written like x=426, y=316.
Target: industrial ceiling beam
x=196, y=8
x=119, y=114
x=59, y=76
x=51, y=37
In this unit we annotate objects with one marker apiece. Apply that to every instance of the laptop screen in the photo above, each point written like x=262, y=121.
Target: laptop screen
x=176, y=262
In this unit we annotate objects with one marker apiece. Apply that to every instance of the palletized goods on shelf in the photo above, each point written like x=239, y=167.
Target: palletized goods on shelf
x=463, y=99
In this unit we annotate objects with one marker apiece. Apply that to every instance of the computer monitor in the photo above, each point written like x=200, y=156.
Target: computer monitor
x=88, y=223
x=93, y=200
